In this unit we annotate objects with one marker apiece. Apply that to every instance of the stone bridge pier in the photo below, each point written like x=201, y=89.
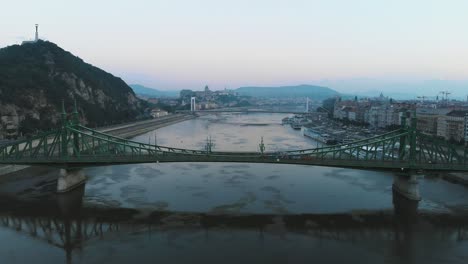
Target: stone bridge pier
x=407, y=185
x=70, y=179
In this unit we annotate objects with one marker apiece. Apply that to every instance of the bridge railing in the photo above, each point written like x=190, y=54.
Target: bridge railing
x=350, y=144
x=79, y=144
x=435, y=150
x=29, y=147
x=161, y=147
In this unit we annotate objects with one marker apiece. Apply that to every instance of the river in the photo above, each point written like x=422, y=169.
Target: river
x=231, y=213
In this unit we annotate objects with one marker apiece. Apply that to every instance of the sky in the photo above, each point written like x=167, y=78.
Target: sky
x=176, y=44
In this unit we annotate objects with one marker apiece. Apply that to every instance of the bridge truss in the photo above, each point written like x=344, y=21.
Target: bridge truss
x=74, y=145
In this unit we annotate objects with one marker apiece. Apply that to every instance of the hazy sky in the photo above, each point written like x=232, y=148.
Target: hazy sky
x=177, y=44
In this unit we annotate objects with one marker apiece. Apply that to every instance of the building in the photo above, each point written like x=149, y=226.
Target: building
x=207, y=93
x=428, y=119
x=207, y=105
x=375, y=116
x=379, y=116
x=383, y=116
x=341, y=111
x=350, y=110
x=156, y=113
x=392, y=116
x=153, y=100
x=452, y=126
x=352, y=114
x=466, y=129
x=11, y=131
x=378, y=112
x=9, y=124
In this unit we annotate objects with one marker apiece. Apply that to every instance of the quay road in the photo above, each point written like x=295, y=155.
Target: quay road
x=141, y=127
x=127, y=130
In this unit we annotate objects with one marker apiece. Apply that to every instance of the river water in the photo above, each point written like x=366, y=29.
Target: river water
x=231, y=213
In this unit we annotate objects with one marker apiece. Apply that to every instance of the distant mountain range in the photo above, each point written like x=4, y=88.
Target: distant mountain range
x=312, y=91
x=150, y=92
x=365, y=87
x=344, y=88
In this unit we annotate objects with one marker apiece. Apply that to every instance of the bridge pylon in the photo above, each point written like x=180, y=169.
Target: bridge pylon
x=407, y=185
x=63, y=115
x=209, y=145
x=262, y=147
x=70, y=179
x=64, y=132
x=76, y=136
x=403, y=140
x=407, y=148
x=412, y=140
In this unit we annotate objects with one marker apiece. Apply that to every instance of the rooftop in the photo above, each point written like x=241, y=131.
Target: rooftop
x=459, y=113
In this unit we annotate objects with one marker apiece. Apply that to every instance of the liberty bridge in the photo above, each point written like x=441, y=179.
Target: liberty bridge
x=73, y=146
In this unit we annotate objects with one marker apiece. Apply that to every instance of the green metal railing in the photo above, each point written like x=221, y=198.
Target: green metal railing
x=76, y=145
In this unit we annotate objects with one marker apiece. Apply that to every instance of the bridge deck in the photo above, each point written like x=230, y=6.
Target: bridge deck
x=87, y=161
x=74, y=145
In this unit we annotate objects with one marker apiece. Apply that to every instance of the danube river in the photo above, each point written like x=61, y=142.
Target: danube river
x=228, y=212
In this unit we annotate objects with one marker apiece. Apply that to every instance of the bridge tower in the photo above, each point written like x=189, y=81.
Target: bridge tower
x=412, y=138
x=193, y=107
x=76, y=118
x=402, y=147
x=209, y=145
x=262, y=146
x=76, y=139
x=63, y=115
x=64, y=131
x=408, y=140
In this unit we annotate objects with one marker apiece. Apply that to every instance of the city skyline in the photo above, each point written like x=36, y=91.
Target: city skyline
x=351, y=47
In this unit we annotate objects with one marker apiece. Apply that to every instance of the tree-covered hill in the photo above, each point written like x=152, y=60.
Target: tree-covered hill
x=36, y=77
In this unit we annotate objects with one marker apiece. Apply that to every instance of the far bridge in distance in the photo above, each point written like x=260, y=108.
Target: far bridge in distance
x=243, y=110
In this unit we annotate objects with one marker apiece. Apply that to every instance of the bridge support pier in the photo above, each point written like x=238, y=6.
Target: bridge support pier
x=69, y=180
x=407, y=186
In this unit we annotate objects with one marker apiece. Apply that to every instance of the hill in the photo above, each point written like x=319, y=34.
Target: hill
x=36, y=77
x=314, y=92
x=150, y=92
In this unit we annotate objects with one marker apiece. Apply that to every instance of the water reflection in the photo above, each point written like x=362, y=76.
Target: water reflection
x=69, y=207
x=62, y=221
x=232, y=213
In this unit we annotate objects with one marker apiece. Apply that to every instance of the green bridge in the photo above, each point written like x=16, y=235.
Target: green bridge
x=74, y=145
